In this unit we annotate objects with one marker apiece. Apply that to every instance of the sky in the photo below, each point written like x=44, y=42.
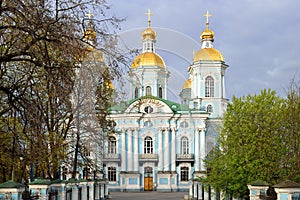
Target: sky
x=259, y=39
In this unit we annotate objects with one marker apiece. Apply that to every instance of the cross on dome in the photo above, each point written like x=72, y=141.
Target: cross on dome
x=149, y=13
x=207, y=15
x=89, y=15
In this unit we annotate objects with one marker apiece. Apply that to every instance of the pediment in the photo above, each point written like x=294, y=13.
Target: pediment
x=149, y=105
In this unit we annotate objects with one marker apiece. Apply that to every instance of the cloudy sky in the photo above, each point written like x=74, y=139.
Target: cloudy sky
x=259, y=39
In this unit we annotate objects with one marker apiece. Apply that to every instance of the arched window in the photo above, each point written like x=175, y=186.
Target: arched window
x=184, y=145
x=209, y=108
x=148, y=124
x=148, y=145
x=209, y=87
x=112, y=145
x=148, y=91
x=136, y=92
x=64, y=173
x=86, y=173
x=184, y=174
x=160, y=92
x=112, y=173
x=184, y=124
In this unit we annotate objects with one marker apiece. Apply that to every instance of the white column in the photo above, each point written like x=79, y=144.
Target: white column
x=173, y=151
x=136, y=150
x=166, y=151
x=123, y=153
x=129, y=150
x=203, y=149
x=160, y=150
x=196, y=146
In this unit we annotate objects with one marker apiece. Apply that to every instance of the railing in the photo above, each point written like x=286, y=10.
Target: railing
x=185, y=157
x=148, y=157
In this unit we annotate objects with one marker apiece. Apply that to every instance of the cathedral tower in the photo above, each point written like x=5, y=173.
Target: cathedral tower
x=207, y=75
x=148, y=75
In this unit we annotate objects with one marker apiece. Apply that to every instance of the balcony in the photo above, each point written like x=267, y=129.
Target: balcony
x=185, y=157
x=111, y=158
x=148, y=157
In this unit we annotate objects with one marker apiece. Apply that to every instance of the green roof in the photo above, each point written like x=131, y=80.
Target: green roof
x=11, y=184
x=40, y=181
x=175, y=107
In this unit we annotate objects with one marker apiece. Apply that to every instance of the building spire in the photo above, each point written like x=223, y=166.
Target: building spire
x=149, y=16
x=90, y=34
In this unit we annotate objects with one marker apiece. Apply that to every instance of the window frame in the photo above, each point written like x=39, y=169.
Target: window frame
x=184, y=174
x=209, y=108
x=148, y=145
x=209, y=86
x=184, y=145
x=148, y=90
x=160, y=92
x=112, y=145
x=112, y=173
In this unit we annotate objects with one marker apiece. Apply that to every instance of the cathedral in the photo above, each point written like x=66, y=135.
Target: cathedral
x=160, y=144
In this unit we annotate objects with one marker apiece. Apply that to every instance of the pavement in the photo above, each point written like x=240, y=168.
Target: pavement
x=151, y=195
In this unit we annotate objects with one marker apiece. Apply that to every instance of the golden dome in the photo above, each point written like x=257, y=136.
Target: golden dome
x=90, y=34
x=187, y=84
x=149, y=33
x=211, y=54
x=207, y=34
x=148, y=59
x=109, y=85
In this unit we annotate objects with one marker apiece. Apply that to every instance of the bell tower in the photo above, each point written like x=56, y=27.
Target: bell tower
x=148, y=75
x=207, y=74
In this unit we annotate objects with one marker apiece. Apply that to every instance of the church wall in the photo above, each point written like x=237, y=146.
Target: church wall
x=136, y=181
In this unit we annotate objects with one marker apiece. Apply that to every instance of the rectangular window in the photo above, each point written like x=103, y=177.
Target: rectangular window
x=184, y=174
x=112, y=174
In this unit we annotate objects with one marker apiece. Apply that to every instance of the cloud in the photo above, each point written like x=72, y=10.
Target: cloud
x=259, y=39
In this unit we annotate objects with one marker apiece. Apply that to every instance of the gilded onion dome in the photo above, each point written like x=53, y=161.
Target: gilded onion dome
x=149, y=33
x=211, y=54
x=90, y=33
x=187, y=84
x=148, y=57
x=207, y=34
x=207, y=52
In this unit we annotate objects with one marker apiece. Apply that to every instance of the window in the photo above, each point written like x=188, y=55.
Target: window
x=112, y=145
x=148, y=91
x=209, y=87
x=184, y=174
x=136, y=92
x=148, y=145
x=148, y=124
x=148, y=109
x=184, y=124
x=160, y=92
x=184, y=145
x=112, y=173
x=86, y=173
x=209, y=108
x=64, y=173
x=86, y=151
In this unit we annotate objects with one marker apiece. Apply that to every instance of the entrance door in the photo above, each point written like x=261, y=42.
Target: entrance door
x=148, y=179
x=148, y=183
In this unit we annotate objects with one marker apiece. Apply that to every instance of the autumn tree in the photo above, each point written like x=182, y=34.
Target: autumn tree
x=41, y=45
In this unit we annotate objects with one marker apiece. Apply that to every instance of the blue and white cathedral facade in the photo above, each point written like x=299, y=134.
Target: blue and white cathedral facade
x=160, y=145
